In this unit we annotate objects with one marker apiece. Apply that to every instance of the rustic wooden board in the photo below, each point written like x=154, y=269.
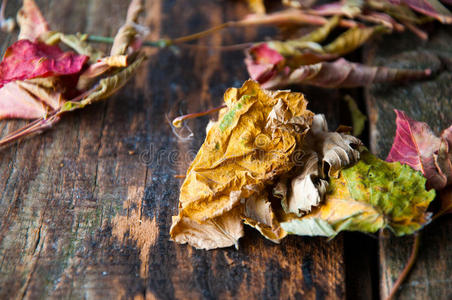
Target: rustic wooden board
x=85, y=208
x=429, y=101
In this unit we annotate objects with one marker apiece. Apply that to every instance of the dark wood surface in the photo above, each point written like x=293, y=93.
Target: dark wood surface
x=85, y=208
x=428, y=101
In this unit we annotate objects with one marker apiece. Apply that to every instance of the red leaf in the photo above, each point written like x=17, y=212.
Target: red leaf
x=262, y=62
x=417, y=146
x=25, y=60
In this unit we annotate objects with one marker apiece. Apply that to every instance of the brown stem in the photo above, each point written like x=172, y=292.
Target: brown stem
x=218, y=48
x=416, y=30
x=279, y=18
x=177, y=122
x=406, y=271
x=201, y=34
x=29, y=129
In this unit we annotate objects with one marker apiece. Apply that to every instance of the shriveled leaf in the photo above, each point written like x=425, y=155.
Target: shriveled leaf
x=25, y=59
x=309, y=44
x=352, y=39
x=325, y=154
x=105, y=88
x=259, y=214
x=262, y=62
x=100, y=67
x=349, y=8
x=342, y=73
x=127, y=33
x=336, y=150
x=32, y=23
x=243, y=150
x=76, y=42
x=432, y=8
x=223, y=231
x=416, y=145
x=320, y=34
x=307, y=188
x=358, y=118
x=15, y=102
x=42, y=89
x=368, y=196
x=310, y=41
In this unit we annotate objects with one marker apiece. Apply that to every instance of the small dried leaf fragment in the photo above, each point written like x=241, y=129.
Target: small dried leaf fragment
x=128, y=32
x=307, y=188
x=32, y=23
x=219, y=232
x=258, y=213
x=25, y=60
x=370, y=195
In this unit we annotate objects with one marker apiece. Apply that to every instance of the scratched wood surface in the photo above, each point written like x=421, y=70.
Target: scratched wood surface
x=428, y=101
x=85, y=208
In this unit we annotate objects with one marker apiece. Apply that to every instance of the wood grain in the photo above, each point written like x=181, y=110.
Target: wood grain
x=429, y=101
x=85, y=208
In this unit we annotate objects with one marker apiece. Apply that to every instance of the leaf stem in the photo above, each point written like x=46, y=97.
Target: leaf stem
x=408, y=267
x=162, y=43
x=177, y=122
x=284, y=17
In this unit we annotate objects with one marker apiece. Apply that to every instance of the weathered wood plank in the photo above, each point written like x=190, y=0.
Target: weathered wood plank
x=85, y=208
x=429, y=101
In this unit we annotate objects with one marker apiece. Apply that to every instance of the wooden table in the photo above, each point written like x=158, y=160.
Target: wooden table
x=85, y=208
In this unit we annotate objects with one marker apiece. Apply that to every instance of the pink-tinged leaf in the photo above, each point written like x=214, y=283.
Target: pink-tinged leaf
x=329, y=9
x=342, y=73
x=32, y=23
x=100, y=67
x=432, y=8
x=25, y=59
x=383, y=19
x=417, y=146
x=50, y=96
x=262, y=62
x=15, y=102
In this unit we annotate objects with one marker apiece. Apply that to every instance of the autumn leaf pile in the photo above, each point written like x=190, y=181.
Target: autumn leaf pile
x=40, y=81
x=307, y=60
x=270, y=163
x=267, y=162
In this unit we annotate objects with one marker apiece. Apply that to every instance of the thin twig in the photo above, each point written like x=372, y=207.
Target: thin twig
x=177, y=122
x=408, y=267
